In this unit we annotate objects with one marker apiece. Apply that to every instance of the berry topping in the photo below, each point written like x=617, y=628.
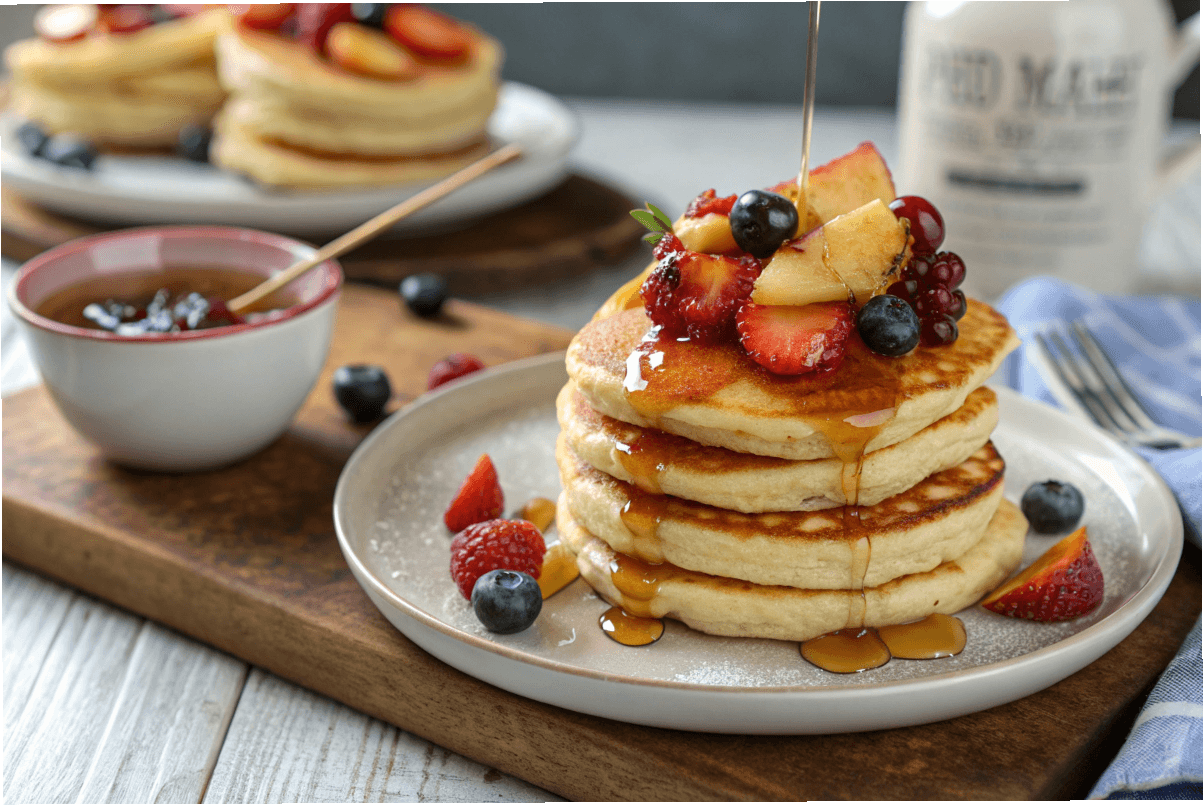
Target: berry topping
x=69, y=151
x=761, y=221
x=904, y=289
x=370, y=14
x=888, y=326
x=451, y=368
x=314, y=21
x=32, y=138
x=369, y=53
x=938, y=331
x=495, y=545
x=927, y=227
x=659, y=292
x=427, y=32
x=933, y=301
x=479, y=497
x=1052, y=506
x=1065, y=583
x=424, y=293
x=125, y=18
x=706, y=204
x=505, y=601
x=947, y=269
x=66, y=23
x=193, y=142
x=962, y=304
x=711, y=291
x=362, y=391
x=793, y=340
x=264, y=17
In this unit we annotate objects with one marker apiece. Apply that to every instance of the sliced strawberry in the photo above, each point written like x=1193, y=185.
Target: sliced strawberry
x=427, y=33
x=794, y=340
x=712, y=290
x=125, y=18
x=67, y=23
x=451, y=368
x=1065, y=583
x=264, y=17
x=184, y=10
x=314, y=21
x=479, y=497
x=367, y=52
x=706, y=203
x=495, y=545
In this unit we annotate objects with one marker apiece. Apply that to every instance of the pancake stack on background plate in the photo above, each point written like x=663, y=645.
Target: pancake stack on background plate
x=700, y=486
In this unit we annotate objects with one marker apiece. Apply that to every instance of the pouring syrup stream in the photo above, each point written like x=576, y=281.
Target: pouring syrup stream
x=808, y=108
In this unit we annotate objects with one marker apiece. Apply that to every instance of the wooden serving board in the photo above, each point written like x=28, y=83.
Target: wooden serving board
x=246, y=559
x=576, y=227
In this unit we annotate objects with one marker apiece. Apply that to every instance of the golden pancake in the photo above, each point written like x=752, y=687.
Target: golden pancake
x=662, y=463
x=932, y=522
x=728, y=607
x=716, y=395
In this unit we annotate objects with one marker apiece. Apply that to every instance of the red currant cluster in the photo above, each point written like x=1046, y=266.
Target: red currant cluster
x=930, y=281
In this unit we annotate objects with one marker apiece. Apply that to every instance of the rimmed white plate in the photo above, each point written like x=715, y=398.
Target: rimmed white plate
x=130, y=190
x=388, y=514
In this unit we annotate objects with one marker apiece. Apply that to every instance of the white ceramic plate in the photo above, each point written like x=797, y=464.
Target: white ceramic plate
x=130, y=190
x=388, y=514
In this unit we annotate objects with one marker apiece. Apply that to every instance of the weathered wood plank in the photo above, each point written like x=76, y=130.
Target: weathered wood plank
x=34, y=609
x=169, y=722
x=289, y=745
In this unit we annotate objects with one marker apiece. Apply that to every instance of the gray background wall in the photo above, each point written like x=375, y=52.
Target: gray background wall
x=692, y=51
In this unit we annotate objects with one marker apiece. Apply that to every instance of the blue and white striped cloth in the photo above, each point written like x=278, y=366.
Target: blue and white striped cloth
x=1155, y=343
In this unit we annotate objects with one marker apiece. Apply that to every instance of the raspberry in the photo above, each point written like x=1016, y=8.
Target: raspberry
x=452, y=367
x=659, y=292
x=495, y=545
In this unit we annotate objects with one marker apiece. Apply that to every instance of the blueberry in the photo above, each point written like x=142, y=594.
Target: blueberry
x=69, y=151
x=193, y=142
x=370, y=14
x=761, y=221
x=888, y=325
x=424, y=293
x=32, y=138
x=506, y=601
x=362, y=391
x=1052, y=506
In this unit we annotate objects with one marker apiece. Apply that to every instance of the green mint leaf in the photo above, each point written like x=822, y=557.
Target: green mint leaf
x=660, y=216
x=649, y=220
x=653, y=238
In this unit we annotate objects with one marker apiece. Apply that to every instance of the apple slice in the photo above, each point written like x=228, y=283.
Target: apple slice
x=866, y=248
x=797, y=274
x=367, y=52
x=710, y=234
x=849, y=182
x=66, y=23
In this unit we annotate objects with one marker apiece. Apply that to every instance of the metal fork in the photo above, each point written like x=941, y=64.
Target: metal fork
x=1096, y=383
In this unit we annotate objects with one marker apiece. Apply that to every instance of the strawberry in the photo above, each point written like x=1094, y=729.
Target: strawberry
x=66, y=23
x=367, y=52
x=264, y=17
x=427, y=33
x=125, y=18
x=479, y=497
x=495, y=545
x=706, y=203
x=314, y=21
x=793, y=340
x=1065, y=583
x=451, y=368
x=711, y=292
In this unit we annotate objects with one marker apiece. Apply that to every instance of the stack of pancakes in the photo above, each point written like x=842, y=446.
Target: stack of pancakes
x=130, y=90
x=700, y=487
x=295, y=120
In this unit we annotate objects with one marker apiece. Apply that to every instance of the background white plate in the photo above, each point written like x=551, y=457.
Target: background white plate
x=388, y=514
x=129, y=190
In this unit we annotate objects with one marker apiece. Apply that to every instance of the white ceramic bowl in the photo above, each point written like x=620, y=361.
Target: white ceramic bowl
x=179, y=401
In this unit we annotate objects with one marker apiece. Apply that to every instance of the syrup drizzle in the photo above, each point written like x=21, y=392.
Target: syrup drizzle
x=850, y=651
x=559, y=570
x=628, y=629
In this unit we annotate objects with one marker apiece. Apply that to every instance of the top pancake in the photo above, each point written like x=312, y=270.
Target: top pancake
x=716, y=395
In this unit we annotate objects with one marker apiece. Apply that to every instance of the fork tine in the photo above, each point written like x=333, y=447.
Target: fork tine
x=1069, y=377
x=1096, y=386
x=1112, y=379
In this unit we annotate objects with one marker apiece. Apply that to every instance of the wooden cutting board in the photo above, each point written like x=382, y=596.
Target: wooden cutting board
x=577, y=226
x=246, y=559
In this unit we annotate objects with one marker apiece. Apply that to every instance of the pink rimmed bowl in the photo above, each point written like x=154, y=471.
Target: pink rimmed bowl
x=184, y=401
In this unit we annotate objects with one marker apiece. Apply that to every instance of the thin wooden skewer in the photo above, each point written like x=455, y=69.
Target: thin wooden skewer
x=808, y=107
x=373, y=227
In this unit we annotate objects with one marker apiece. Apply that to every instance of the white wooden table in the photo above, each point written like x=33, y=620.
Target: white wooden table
x=104, y=706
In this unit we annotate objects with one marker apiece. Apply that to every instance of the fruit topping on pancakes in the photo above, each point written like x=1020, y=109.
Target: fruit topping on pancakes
x=1065, y=583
